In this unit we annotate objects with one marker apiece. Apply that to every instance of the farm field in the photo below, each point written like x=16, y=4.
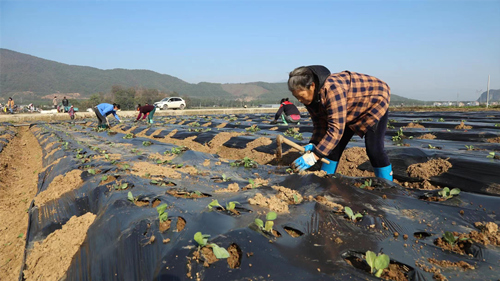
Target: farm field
x=138, y=202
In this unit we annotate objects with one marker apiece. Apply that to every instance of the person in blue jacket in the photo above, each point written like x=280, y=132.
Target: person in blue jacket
x=103, y=110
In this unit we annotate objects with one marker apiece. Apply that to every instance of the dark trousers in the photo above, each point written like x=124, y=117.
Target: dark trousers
x=374, y=142
x=100, y=118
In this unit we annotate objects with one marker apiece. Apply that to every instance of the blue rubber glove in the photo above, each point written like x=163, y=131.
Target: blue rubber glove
x=309, y=147
x=304, y=162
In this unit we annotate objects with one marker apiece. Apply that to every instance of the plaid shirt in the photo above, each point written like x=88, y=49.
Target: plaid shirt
x=346, y=99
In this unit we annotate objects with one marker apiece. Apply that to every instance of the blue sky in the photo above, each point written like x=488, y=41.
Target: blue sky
x=428, y=50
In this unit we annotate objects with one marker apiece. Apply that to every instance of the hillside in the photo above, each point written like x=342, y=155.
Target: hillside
x=23, y=75
x=494, y=96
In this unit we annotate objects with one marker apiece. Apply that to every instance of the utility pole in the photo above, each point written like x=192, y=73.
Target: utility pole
x=488, y=92
x=457, y=99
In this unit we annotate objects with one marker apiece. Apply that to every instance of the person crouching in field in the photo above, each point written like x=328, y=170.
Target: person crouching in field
x=341, y=105
x=288, y=113
x=103, y=110
x=148, y=111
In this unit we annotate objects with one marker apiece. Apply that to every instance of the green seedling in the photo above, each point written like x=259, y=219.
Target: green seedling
x=268, y=226
x=245, y=162
x=120, y=186
x=231, y=205
x=104, y=178
x=176, y=150
x=368, y=183
x=162, y=215
x=194, y=124
x=389, y=126
x=214, y=203
x=497, y=125
x=128, y=136
x=20, y=235
x=252, y=129
x=447, y=193
x=130, y=197
x=126, y=166
x=202, y=240
x=291, y=132
x=431, y=147
x=491, y=155
x=377, y=263
x=452, y=239
x=348, y=211
x=440, y=120
x=113, y=161
x=399, y=135
x=469, y=147
x=252, y=183
x=92, y=171
x=66, y=145
x=146, y=143
x=106, y=156
x=289, y=170
x=225, y=178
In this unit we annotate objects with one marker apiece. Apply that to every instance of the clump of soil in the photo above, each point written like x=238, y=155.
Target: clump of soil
x=273, y=203
x=433, y=167
x=51, y=258
x=108, y=180
x=493, y=140
x=60, y=185
x=332, y=205
x=293, y=232
x=489, y=233
x=426, y=137
x=462, y=126
x=165, y=225
x=273, y=129
x=233, y=187
x=206, y=163
x=186, y=194
x=181, y=224
x=141, y=203
x=424, y=185
x=435, y=271
x=414, y=125
x=162, y=157
x=205, y=255
x=394, y=272
x=444, y=263
x=142, y=168
x=288, y=195
x=234, y=260
x=350, y=160
x=459, y=247
x=256, y=183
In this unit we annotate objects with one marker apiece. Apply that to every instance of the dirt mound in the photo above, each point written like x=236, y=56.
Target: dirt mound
x=494, y=140
x=431, y=168
x=414, y=125
x=462, y=126
x=60, y=185
x=426, y=137
x=350, y=160
x=273, y=203
x=154, y=170
x=51, y=258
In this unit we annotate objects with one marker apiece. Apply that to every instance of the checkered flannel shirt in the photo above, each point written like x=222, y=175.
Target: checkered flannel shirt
x=346, y=99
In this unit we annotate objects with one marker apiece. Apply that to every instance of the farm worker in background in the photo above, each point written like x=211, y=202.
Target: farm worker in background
x=148, y=111
x=65, y=104
x=54, y=102
x=103, y=110
x=340, y=105
x=288, y=112
x=71, y=112
x=10, y=105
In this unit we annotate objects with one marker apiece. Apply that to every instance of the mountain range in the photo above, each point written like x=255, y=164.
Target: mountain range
x=23, y=75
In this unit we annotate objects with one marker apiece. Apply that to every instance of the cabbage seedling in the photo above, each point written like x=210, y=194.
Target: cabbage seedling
x=202, y=240
x=447, y=193
x=162, y=215
x=231, y=205
x=130, y=197
x=452, y=239
x=368, y=183
x=214, y=203
x=120, y=186
x=491, y=155
x=270, y=217
x=146, y=143
x=348, y=211
x=377, y=263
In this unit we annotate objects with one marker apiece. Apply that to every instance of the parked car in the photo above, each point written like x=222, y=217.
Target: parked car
x=171, y=103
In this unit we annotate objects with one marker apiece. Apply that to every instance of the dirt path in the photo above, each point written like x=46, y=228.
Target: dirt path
x=20, y=163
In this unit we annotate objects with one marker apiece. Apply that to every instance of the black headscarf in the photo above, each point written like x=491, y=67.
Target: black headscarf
x=320, y=74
